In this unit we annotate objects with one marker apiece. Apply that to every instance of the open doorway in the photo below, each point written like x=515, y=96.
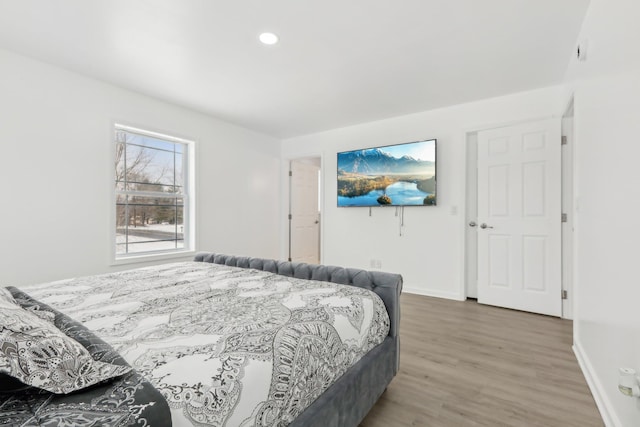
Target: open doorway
x=304, y=209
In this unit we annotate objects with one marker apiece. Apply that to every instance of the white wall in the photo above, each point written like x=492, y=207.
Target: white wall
x=430, y=253
x=607, y=175
x=55, y=145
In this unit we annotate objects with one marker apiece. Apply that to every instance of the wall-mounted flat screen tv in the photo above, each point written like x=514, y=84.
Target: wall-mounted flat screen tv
x=393, y=175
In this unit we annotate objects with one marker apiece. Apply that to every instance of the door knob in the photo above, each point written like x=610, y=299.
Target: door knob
x=483, y=226
x=472, y=224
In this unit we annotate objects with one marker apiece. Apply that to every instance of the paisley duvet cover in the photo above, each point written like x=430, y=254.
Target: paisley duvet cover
x=226, y=346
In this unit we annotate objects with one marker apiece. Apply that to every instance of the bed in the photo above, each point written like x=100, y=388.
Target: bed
x=126, y=400
x=302, y=349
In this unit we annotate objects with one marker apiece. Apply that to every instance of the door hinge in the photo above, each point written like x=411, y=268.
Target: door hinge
x=565, y=294
x=290, y=217
x=565, y=218
x=564, y=140
x=290, y=173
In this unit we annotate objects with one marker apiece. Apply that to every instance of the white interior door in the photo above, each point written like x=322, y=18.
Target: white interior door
x=519, y=217
x=305, y=213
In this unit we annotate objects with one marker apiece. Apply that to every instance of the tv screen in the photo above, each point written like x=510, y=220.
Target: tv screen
x=393, y=175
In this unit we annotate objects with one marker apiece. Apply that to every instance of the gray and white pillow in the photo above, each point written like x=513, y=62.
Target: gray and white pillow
x=35, y=352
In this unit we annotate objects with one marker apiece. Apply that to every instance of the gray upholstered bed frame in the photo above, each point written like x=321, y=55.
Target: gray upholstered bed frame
x=348, y=400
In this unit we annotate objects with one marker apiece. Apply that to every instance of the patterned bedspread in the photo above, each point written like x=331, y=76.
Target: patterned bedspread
x=226, y=346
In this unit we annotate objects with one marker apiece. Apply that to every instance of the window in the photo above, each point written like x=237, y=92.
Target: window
x=151, y=193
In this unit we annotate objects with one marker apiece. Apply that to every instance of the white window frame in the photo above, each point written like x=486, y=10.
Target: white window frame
x=188, y=197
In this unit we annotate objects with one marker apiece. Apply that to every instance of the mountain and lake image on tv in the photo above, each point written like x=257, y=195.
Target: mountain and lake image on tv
x=393, y=175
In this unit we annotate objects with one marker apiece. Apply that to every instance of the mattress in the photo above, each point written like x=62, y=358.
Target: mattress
x=226, y=346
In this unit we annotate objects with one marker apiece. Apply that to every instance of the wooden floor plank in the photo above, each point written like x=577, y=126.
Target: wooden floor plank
x=464, y=364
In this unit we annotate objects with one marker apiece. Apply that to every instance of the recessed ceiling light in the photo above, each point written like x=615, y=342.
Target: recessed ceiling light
x=268, y=38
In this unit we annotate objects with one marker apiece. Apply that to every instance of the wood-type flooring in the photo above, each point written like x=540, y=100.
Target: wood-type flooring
x=467, y=364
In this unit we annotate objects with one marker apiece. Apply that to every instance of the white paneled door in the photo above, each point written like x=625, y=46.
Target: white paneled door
x=519, y=217
x=305, y=216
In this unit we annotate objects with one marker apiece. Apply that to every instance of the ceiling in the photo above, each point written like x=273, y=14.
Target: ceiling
x=338, y=63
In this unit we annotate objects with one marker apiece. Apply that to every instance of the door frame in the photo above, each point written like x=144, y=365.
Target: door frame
x=285, y=209
x=469, y=248
x=568, y=227
x=470, y=289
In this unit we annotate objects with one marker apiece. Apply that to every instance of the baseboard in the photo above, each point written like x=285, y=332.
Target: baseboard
x=602, y=401
x=432, y=293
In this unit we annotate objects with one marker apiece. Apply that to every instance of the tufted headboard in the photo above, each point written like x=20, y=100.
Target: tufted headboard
x=387, y=285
